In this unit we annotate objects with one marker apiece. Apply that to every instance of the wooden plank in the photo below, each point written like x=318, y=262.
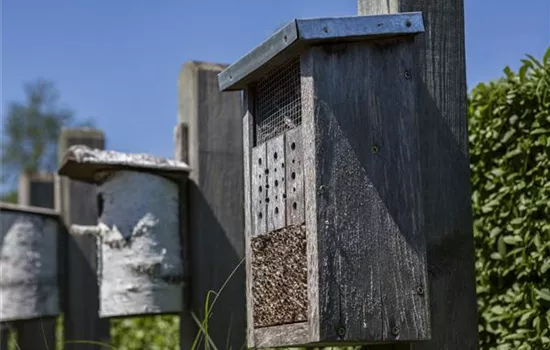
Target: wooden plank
x=440, y=55
x=215, y=201
x=248, y=140
x=259, y=189
x=276, y=336
x=294, y=167
x=36, y=190
x=276, y=183
x=78, y=205
x=372, y=254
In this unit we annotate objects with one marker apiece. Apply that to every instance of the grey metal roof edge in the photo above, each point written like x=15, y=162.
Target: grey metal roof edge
x=318, y=30
x=258, y=56
x=28, y=209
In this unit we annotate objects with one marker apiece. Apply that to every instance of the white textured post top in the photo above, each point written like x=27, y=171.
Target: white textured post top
x=86, y=164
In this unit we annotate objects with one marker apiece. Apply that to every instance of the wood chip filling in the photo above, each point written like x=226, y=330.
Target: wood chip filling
x=279, y=277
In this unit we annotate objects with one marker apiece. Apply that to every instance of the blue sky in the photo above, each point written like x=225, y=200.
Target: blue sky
x=118, y=61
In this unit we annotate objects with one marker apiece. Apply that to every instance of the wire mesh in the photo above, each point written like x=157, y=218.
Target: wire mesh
x=278, y=101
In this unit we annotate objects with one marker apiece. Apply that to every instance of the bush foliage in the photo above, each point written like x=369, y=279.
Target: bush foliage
x=509, y=127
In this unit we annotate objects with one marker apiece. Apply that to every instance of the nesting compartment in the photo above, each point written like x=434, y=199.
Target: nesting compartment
x=29, y=284
x=140, y=266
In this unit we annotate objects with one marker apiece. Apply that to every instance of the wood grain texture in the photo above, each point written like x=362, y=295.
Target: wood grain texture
x=275, y=191
x=294, y=169
x=248, y=141
x=37, y=190
x=78, y=205
x=372, y=254
x=215, y=199
x=440, y=55
x=259, y=189
x=284, y=335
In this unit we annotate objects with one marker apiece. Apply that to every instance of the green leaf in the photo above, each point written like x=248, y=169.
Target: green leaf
x=543, y=293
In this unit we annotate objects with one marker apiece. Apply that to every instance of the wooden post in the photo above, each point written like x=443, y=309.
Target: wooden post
x=36, y=190
x=445, y=169
x=78, y=205
x=210, y=140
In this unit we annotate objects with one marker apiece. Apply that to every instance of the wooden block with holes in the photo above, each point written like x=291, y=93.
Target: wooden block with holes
x=334, y=229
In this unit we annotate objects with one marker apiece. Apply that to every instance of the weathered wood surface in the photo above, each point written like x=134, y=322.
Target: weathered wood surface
x=294, y=169
x=282, y=335
x=78, y=205
x=370, y=237
x=248, y=159
x=259, y=189
x=275, y=189
x=215, y=202
x=38, y=190
x=440, y=55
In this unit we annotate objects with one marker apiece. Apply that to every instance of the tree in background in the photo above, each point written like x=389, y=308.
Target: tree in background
x=509, y=122
x=30, y=132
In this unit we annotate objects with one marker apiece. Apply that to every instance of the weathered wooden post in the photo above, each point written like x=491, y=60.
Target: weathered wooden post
x=446, y=194
x=28, y=256
x=209, y=138
x=140, y=268
x=78, y=205
x=37, y=189
x=334, y=224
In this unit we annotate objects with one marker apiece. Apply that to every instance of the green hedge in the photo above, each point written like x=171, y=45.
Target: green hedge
x=509, y=127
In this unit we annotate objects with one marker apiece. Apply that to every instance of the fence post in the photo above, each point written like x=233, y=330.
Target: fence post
x=36, y=190
x=209, y=139
x=81, y=293
x=445, y=169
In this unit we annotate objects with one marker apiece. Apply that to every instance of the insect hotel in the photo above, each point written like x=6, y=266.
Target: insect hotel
x=140, y=267
x=335, y=245
x=29, y=283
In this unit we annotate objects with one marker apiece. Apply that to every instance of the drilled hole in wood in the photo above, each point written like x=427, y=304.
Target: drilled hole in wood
x=260, y=161
x=260, y=188
x=276, y=197
x=276, y=210
x=282, y=165
x=293, y=175
x=293, y=146
x=275, y=169
x=293, y=189
x=276, y=183
x=260, y=215
x=284, y=196
x=266, y=171
x=293, y=161
x=294, y=205
x=275, y=155
x=267, y=200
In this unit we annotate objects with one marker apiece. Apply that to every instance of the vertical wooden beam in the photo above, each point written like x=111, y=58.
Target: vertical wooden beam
x=440, y=55
x=78, y=205
x=215, y=204
x=36, y=190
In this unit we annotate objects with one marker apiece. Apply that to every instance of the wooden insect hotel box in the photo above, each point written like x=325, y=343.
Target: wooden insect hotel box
x=140, y=264
x=334, y=230
x=29, y=279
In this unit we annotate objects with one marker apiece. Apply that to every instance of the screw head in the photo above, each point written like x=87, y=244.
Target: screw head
x=420, y=290
x=408, y=75
x=374, y=149
x=325, y=29
x=341, y=331
x=408, y=23
x=395, y=330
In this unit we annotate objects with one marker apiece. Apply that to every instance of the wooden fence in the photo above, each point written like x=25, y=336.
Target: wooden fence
x=208, y=137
